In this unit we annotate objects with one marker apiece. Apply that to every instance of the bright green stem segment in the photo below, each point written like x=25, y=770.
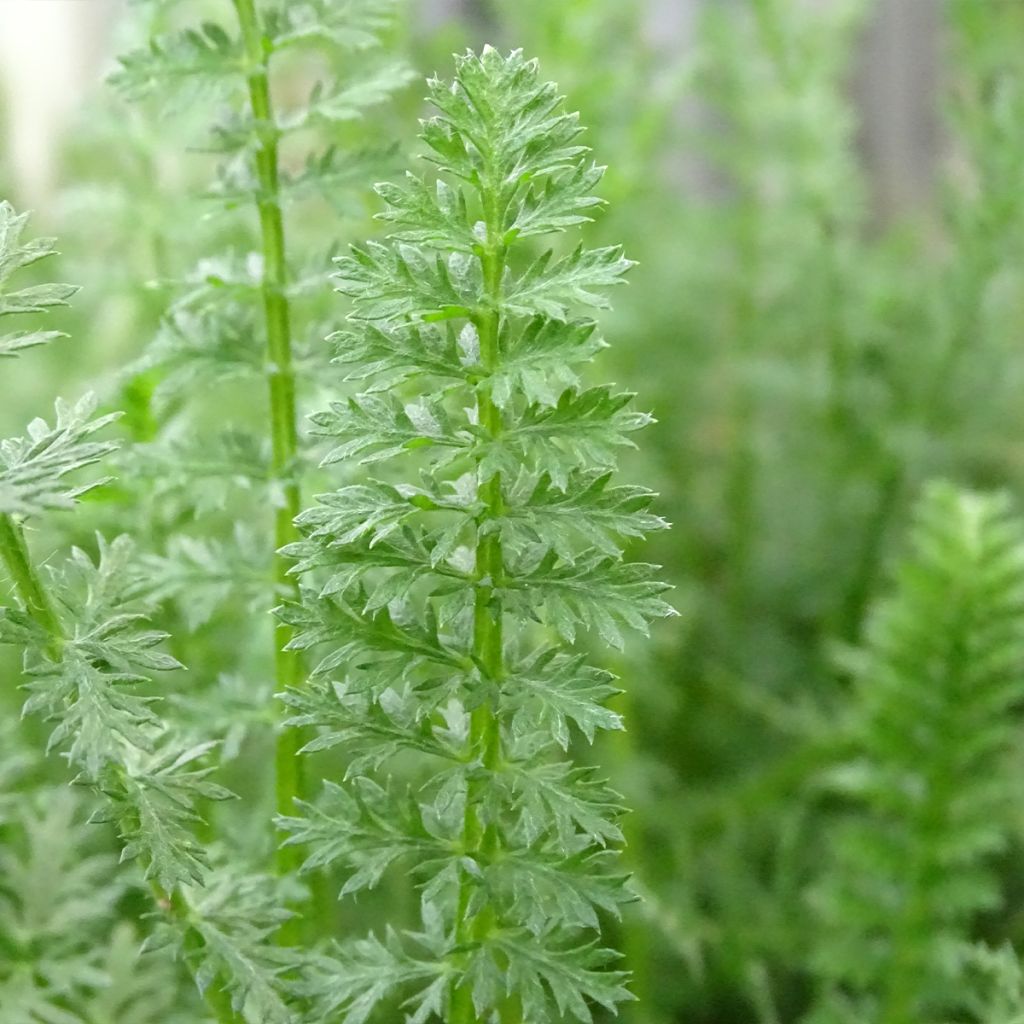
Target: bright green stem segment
x=906, y=969
x=480, y=841
x=30, y=589
x=281, y=378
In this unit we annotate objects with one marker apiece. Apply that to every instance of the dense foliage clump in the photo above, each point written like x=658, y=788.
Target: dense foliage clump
x=323, y=705
x=447, y=609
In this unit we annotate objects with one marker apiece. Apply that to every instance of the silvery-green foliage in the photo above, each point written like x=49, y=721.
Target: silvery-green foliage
x=16, y=767
x=217, y=334
x=89, y=657
x=202, y=575
x=445, y=592
x=214, y=324
x=87, y=671
x=141, y=988
x=64, y=956
x=56, y=896
x=14, y=255
x=233, y=917
x=33, y=468
x=208, y=58
x=239, y=348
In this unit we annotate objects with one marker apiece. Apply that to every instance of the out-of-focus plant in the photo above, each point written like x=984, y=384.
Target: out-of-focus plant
x=64, y=955
x=941, y=667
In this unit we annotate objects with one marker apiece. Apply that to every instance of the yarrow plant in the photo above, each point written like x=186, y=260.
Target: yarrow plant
x=828, y=827
x=449, y=611
x=942, y=666
x=449, y=591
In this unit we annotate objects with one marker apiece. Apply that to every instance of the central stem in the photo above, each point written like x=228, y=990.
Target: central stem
x=479, y=839
x=14, y=553
x=281, y=380
x=919, y=918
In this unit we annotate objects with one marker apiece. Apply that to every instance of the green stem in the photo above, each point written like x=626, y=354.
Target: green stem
x=481, y=840
x=906, y=977
x=14, y=552
x=281, y=378
x=921, y=919
x=175, y=907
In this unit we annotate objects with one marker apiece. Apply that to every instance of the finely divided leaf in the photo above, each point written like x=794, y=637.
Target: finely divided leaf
x=433, y=597
x=15, y=255
x=33, y=468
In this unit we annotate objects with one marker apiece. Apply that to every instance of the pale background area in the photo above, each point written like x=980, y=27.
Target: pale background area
x=52, y=52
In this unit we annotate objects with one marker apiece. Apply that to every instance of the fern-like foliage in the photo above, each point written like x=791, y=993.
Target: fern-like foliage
x=64, y=957
x=15, y=255
x=234, y=917
x=942, y=664
x=89, y=658
x=219, y=325
x=247, y=316
x=289, y=80
x=446, y=606
x=140, y=988
x=56, y=894
x=87, y=671
x=211, y=58
x=33, y=468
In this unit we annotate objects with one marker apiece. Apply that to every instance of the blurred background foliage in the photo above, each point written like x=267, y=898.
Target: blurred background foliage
x=814, y=352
